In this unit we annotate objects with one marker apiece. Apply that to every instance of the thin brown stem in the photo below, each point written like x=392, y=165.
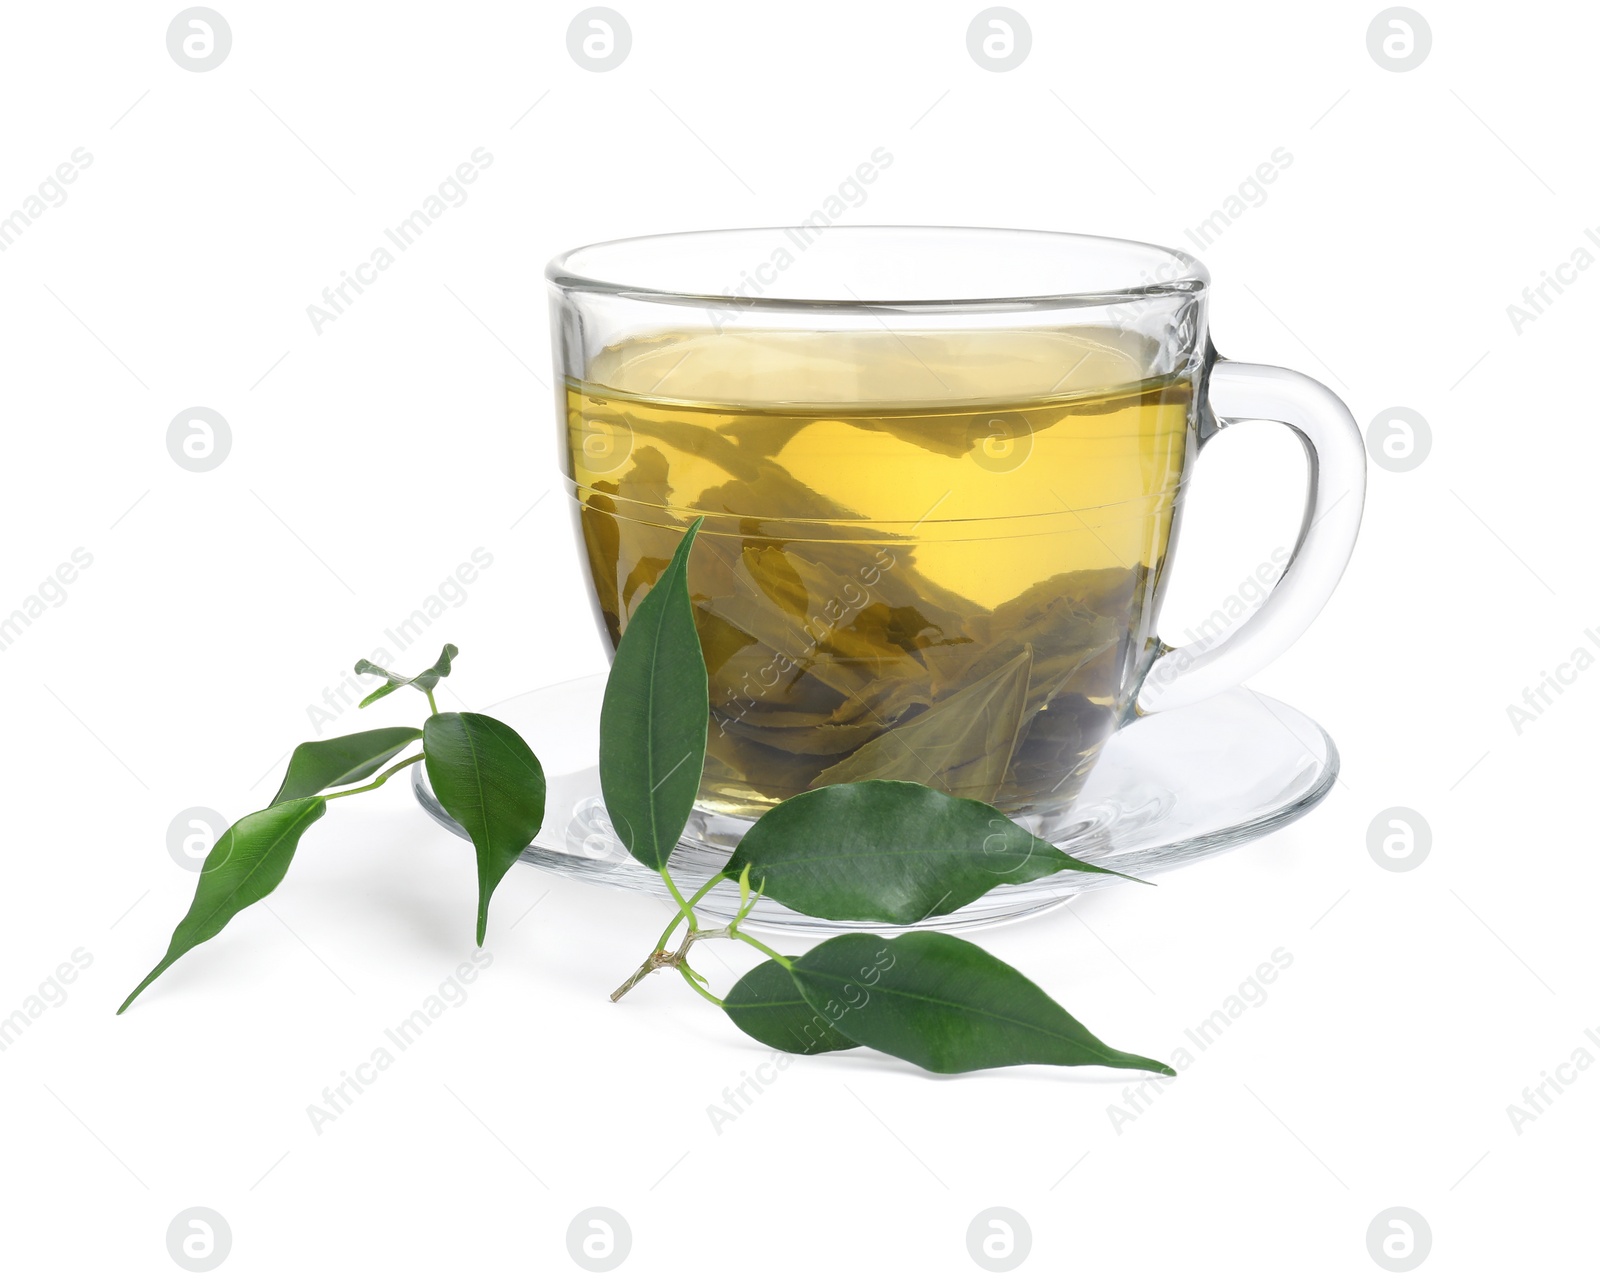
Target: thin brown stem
x=656, y=960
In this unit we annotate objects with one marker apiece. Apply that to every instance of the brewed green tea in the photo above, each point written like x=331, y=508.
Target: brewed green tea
x=932, y=556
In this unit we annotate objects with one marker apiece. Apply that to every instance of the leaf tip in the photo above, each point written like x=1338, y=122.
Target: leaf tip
x=132, y=996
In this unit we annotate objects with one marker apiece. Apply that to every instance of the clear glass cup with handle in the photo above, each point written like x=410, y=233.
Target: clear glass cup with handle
x=942, y=474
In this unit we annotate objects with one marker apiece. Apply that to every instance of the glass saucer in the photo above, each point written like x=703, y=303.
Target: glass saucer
x=1168, y=790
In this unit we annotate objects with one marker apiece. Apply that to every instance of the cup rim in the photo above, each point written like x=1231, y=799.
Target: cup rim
x=1188, y=274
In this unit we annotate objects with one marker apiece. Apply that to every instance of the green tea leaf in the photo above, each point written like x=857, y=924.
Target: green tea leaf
x=247, y=863
x=766, y=1006
x=946, y=1005
x=962, y=744
x=424, y=680
x=489, y=781
x=892, y=851
x=316, y=766
x=654, y=716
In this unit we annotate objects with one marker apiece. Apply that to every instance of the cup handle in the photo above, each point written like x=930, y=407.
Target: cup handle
x=1338, y=477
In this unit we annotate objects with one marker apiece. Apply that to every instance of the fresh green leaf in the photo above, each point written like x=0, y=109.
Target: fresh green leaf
x=316, y=766
x=247, y=863
x=766, y=1006
x=489, y=781
x=946, y=1005
x=424, y=680
x=654, y=716
x=892, y=851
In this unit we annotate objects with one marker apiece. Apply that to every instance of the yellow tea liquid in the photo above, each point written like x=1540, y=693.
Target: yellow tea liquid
x=927, y=556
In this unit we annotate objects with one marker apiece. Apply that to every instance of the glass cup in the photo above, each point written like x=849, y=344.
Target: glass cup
x=941, y=473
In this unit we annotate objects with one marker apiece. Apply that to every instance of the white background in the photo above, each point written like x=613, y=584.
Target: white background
x=370, y=460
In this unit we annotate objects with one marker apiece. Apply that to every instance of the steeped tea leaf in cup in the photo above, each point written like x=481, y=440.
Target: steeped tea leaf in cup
x=933, y=556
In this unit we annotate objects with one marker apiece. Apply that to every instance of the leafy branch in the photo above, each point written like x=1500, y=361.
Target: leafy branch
x=877, y=849
x=484, y=774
